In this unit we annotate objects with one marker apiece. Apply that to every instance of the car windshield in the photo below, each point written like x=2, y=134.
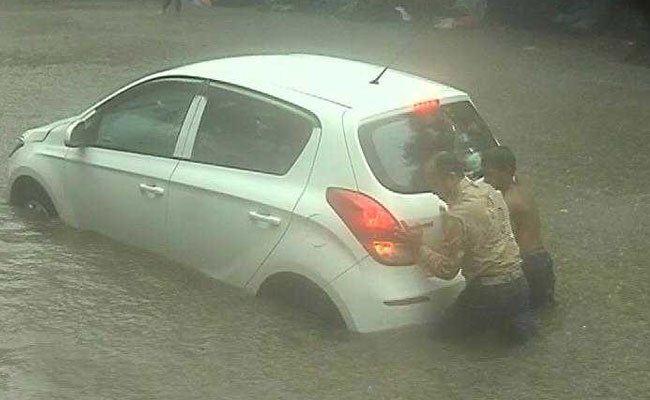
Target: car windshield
x=397, y=147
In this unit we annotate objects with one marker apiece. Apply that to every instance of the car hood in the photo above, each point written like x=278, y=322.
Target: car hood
x=39, y=134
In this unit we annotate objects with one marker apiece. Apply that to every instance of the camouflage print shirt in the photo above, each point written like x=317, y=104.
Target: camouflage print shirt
x=477, y=236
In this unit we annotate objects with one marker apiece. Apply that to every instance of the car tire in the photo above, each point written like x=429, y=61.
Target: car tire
x=301, y=293
x=32, y=199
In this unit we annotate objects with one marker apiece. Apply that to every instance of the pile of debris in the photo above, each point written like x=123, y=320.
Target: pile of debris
x=569, y=15
x=443, y=13
x=601, y=15
x=466, y=14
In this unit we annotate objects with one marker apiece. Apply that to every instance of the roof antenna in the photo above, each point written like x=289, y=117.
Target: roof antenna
x=407, y=18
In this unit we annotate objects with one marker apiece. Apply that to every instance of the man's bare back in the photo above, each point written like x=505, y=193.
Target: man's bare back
x=524, y=216
x=499, y=165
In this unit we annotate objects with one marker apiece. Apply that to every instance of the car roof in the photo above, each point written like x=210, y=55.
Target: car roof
x=337, y=80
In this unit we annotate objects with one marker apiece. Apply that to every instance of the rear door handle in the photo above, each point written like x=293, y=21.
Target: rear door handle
x=156, y=190
x=269, y=219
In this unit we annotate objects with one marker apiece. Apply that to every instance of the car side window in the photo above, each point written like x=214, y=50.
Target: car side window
x=145, y=119
x=250, y=132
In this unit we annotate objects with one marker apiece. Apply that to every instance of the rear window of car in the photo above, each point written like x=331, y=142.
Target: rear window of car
x=396, y=148
x=250, y=132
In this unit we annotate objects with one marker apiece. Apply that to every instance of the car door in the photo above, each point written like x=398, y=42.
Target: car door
x=232, y=199
x=117, y=185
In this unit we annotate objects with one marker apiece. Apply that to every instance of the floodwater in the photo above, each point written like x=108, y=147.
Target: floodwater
x=83, y=317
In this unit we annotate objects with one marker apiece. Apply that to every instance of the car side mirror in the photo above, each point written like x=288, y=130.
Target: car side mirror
x=77, y=134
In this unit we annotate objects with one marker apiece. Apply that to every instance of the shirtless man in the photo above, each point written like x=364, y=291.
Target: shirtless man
x=499, y=167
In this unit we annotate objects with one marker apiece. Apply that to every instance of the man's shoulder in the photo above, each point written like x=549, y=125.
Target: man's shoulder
x=523, y=180
x=524, y=185
x=473, y=202
x=476, y=191
x=486, y=191
x=519, y=197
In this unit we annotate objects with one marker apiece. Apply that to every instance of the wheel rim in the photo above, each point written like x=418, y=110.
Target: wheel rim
x=35, y=207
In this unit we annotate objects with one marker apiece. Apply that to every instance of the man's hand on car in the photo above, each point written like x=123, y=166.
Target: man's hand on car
x=411, y=235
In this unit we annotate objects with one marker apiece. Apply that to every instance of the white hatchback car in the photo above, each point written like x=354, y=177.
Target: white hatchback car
x=278, y=174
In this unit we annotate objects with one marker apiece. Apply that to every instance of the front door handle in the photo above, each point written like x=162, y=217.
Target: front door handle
x=269, y=219
x=156, y=190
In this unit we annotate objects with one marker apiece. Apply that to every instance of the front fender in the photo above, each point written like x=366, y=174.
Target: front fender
x=45, y=164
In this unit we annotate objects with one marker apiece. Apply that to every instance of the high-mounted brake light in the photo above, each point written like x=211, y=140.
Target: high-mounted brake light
x=426, y=108
x=373, y=226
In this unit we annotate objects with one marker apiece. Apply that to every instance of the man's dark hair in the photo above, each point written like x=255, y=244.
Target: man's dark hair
x=447, y=163
x=499, y=157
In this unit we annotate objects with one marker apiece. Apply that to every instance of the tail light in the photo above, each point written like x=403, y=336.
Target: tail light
x=373, y=226
x=426, y=108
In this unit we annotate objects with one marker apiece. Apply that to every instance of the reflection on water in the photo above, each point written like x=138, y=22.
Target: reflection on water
x=84, y=315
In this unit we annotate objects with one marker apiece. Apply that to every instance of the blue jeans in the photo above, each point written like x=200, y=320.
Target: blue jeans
x=538, y=268
x=504, y=307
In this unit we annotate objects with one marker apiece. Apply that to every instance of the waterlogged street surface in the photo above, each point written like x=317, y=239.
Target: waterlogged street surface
x=82, y=317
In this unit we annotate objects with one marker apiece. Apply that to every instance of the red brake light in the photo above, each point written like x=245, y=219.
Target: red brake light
x=426, y=108
x=372, y=224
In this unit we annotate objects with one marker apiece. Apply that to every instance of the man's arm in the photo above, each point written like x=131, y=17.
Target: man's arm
x=524, y=217
x=444, y=261
x=516, y=211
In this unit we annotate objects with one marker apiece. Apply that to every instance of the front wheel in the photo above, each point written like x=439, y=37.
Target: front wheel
x=33, y=200
x=36, y=207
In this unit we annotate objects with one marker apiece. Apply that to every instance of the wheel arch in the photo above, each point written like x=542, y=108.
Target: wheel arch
x=288, y=279
x=25, y=178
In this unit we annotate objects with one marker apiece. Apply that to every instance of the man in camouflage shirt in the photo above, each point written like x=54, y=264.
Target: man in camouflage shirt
x=479, y=243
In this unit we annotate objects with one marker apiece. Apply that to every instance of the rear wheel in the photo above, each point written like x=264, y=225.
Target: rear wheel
x=301, y=293
x=32, y=199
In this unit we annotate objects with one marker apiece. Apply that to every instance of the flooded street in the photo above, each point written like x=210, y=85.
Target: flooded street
x=83, y=317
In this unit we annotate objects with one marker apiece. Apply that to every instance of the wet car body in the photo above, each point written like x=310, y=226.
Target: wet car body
x=265, y=172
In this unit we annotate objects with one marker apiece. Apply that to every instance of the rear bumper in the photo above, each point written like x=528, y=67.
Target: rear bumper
x=375, y=297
